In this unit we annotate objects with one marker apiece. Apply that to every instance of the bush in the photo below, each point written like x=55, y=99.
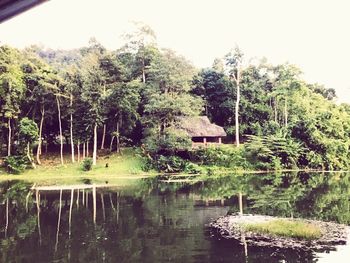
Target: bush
x=87, y=164
x=231, y=157
x=192, y=168
x=273, y=151
x=15, y=164
x=169, y=164
x=169, y=143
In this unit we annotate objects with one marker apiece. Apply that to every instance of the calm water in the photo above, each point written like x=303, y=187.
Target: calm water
x=154, y=221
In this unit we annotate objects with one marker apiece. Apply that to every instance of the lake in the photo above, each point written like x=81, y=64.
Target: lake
x=153, y=220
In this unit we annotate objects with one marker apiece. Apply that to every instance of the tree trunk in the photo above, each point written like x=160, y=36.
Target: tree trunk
x=94, y=154
x=275, y=106
x=7, y=216
x=29, y=157
x=285, y=113
x=38, y=151
x=71, y=129
x=143, y=71
x=111, y=145
x=87, y=148
x=104, y=125
x=240, y=201
x=237, y=109
x=103, y=137
x=118, y=138
x=78, y=147
x=236, y=121
x=9, y=138
x=84, y=150
x=60, y=127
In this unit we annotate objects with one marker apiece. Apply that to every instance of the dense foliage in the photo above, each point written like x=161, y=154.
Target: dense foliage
x=94, y=97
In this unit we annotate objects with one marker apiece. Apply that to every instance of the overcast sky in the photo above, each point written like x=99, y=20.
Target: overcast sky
x=313, y=34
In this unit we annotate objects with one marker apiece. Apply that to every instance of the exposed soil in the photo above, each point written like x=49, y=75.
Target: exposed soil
x=230, y=227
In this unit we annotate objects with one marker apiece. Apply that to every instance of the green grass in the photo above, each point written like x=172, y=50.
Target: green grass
x=286, y=228
x=120, y=168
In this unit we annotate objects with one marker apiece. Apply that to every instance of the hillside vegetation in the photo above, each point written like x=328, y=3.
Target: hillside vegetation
x=92, y=99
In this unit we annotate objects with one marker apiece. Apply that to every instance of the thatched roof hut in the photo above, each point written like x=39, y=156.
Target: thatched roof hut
x=201, y=130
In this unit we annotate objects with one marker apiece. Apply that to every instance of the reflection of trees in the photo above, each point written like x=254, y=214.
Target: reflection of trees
x=133, y=227
x=152, y=220
x=329, y=200
x=16, y=224
x=278, y=196
x=310, y=195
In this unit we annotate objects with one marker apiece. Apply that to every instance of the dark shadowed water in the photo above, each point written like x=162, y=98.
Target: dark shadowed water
x=155, y=221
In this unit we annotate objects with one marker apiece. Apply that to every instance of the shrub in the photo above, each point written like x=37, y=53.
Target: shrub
x=87, y=164
x=192, y=168
x=162, y=152
x=169, y=164
x=15, y=164
x=168, y=143
x=230, y=157
x=273, y=151
x=28, y=134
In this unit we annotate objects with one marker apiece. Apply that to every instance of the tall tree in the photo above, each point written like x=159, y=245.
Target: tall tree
x=112, y=73
x=168, y=96
x=39, y=93
x=73, y=84
x=122, y=109
x=142, y=43
x=92, y=93
x=217, y=92
x=285, y=79
x=11, y=87
x=234, y=62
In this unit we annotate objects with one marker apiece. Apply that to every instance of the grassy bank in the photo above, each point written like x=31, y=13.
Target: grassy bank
x=285, y=228
x=115, y=167
x=119, y=168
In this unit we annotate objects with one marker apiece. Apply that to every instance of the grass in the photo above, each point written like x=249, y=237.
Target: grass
x=286, y=228
x=51, y=172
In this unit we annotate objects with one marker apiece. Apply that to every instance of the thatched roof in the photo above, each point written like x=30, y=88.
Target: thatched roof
x=200, y=126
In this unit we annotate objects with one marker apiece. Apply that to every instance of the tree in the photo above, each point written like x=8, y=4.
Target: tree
x=122, y=109
x=39, y=93
x=285, y=79
x=113, y=75
x=11, y=87
x=234, y=63
x=74, y=82
x=217, y=92
x=168, y=96
x=28, y=134
x=92, y=93
x=141, y=43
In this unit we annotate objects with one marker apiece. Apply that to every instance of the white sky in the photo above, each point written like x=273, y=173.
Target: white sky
x=313, y=34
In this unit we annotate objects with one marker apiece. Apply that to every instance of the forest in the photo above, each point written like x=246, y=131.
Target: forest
x=91, y=101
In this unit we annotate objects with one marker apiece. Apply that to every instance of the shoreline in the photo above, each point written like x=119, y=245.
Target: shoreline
x=50, y=179
x=230, y=227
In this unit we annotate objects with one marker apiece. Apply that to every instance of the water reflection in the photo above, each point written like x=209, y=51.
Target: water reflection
x=154, y=221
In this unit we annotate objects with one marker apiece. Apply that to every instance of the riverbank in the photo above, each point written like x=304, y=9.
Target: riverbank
x=112, y=167
x=115, y=167
x=234, y=227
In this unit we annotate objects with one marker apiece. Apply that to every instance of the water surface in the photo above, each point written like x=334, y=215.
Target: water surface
x=155, y=221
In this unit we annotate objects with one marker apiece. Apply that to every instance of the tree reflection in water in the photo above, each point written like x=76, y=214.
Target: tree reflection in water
x=153, y=221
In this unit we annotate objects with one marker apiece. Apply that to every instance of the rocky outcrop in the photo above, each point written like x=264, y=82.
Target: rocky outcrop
x=230, y=227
